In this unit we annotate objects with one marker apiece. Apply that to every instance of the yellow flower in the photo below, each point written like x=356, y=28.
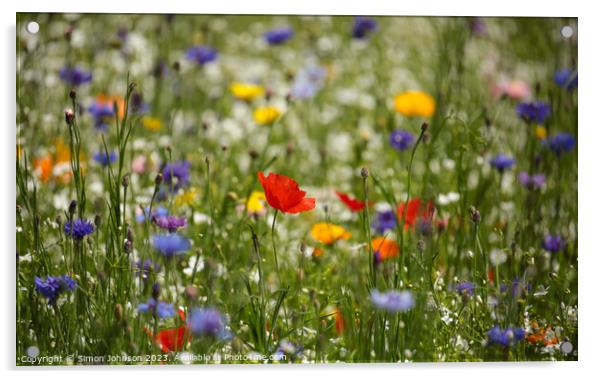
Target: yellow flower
x=256, y=202
x=246, y=91
x=152, y=123
x=415, y=103
x=329, y=233
x=266, y=115
x=541, y=132
x=187, y=197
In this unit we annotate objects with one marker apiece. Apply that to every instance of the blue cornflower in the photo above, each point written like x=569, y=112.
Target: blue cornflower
x=208, y=322
x=505, y=337
x=103, y=113
x=171, y=245
x=561, y=143
x=553, y=243
x=565, y=78
x=278, y=36
x=362, y=26
x=75, y=76
x=162, y=309
x=401, y=139
x=78, y=229
x=308, y=82
x=502, y=162
x=201, y=54
x=465, y=288
x=535, y=181
x=386, y=220
x=157, y=212
x=392, y=301
x=176, y=175
x=105, y=159
x=53, y=286
x=536, y=111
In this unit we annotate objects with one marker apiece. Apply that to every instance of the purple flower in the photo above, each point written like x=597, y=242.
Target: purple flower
x=401, y=139
x=105, y=159
x=138, y=105
x=160, y=308
x=536, y=111
x=465, y=288
x=171, y=245
x=278, y=36
x=553, y=243
x=505, y=337
x=362, y=26
x=535, y=181
x=502, y=162
x=566, y=78
x=208, y=322
x=53, y=286
x=201, y=54
x=561, y=143
x=75, y=76
x=78, y=229
x=392, y=301
x=103, y=113
x=170, y=223
x=176, y=175
x=386, y=220
x=478, y=27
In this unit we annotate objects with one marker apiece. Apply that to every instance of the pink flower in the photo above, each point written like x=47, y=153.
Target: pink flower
x=139, y=164
x=514, y=89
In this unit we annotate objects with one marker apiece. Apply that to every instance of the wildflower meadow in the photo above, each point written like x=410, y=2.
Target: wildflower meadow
x=202, y=189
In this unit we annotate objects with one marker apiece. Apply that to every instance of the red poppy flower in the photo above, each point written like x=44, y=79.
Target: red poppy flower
x=416, y=209
x=283, y=193
x=172, y=339
x=351, y=203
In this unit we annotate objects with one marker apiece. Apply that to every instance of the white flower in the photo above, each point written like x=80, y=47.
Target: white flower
x=497, y=257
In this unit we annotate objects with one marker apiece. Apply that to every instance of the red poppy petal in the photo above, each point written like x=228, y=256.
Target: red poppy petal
x=306, y=204
x=353, y=204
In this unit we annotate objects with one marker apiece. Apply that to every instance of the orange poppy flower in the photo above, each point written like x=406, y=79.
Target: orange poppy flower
x=339, y=322
x=43, y=168
x=384, y=248
x=545, y=336
x=283, y=193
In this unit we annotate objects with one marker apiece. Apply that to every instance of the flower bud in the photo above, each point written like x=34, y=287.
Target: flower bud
x=72, y=207
x=72, y=94
x=475, y=215
x=118, y=312
x=364, y=172
x=125, y=180
x=158, y=179
x=69, y=116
